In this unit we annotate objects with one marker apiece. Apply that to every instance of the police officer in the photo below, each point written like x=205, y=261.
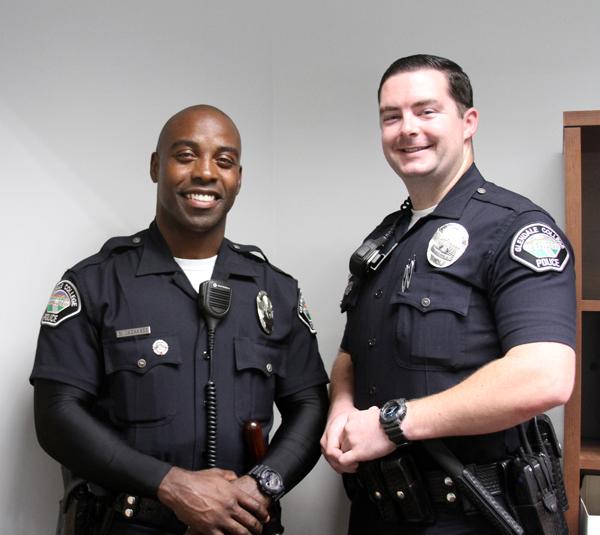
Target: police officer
x=466, y=327
x=123, y=361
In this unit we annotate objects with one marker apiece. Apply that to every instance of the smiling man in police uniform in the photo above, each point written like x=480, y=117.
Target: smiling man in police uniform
x=124, y=359
x=460, y=316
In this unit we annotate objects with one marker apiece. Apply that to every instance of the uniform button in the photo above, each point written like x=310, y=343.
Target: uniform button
x=377, y=495
x=372, y=390
x=448, y=481
x=130, y=500
x=400, y=495
x=236, y=246
x=425, y=302
x=371, y=342
x=141, y=363
x=451, y=497
x=481, y=191
x=128, y=513
x=136, y=239
x=379, y=293
x=269, y=367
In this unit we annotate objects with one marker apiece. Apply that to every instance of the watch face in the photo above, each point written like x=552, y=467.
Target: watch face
x=272, y=481
x=390, y=411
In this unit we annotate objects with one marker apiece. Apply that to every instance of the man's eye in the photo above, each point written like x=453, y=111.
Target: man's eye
x=428, y=112
x=226, y=163
x=390, y=118
x=186, y=156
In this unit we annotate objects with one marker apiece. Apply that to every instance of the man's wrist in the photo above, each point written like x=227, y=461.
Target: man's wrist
x=268, y=480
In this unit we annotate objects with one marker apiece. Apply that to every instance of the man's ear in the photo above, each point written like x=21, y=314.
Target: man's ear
x=239, y=183
x=154, y=167
x=470, y=122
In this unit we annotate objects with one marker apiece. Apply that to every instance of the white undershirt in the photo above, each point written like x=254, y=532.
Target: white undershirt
x=197, y=270
x=418, y=214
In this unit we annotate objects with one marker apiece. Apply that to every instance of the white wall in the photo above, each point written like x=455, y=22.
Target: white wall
x=85, y=87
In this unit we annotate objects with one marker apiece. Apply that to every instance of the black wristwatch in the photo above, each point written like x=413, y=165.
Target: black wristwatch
x=390, y=417
x=269, y=481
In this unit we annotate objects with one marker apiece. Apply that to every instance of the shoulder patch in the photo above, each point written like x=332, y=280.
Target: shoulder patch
x=304, y=314
x=540, y=248
x=64, y=303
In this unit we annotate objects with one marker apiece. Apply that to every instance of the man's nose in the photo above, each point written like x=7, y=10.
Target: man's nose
x=204, y=168
x=409, y=125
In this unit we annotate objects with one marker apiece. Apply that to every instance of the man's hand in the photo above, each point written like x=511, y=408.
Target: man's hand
x=249, y=485
x=331, y=441
x=363, y=439
x=210, y=504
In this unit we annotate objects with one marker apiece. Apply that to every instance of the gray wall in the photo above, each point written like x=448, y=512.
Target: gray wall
x=85, y=87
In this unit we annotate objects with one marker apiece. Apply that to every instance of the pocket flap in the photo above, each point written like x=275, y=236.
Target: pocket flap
x=428, y=292
x=141, y=354
x=266, y=358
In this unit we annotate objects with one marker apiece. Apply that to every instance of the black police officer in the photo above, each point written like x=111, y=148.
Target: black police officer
x=467, y=327
x=122, y=360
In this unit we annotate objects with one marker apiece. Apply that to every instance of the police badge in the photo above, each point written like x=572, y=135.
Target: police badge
x=447, y=245
x=264, y=310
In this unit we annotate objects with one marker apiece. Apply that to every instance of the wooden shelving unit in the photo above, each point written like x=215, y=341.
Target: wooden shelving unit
x=581, y=137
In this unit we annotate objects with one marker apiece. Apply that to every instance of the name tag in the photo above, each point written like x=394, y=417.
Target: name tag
x=136, y=331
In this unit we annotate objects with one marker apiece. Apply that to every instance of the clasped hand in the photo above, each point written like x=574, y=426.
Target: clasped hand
x=215, y=501
x=354, y=436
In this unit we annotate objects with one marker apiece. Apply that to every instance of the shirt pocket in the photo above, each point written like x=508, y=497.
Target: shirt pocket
x=257, y=367
x=142, y=384
x=431, y=321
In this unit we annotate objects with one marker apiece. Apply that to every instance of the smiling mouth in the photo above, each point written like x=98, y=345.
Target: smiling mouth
x=412, y=150
x=202, y=197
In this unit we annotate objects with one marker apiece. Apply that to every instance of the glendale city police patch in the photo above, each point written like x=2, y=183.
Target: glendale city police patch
x=63, y=303
x=304, y=314
x=540, y=248
x=447, y=245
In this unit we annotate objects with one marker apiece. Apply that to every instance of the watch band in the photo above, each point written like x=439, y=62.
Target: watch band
x=390, y=417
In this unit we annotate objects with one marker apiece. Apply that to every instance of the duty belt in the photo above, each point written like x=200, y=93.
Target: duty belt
x=148, y=512
x=442, y=488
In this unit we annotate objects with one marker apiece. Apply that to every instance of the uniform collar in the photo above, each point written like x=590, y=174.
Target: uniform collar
x=453, y=204
x=157, y=258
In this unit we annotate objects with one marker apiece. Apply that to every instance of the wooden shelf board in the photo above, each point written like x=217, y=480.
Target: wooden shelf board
x=581, y=118
x=589, y=458
x=590, y=305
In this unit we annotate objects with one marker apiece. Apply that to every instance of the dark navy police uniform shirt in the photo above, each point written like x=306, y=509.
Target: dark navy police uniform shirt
x=138, y=343
x=490, y=271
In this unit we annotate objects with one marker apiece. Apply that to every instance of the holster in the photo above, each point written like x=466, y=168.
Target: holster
x=534, y=480
x=396, y=487
x=83, y=512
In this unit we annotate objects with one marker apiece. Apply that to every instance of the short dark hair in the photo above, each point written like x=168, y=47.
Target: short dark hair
x=458, y=81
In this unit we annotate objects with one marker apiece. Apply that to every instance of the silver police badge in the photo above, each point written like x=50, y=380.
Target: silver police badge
x=264, y=309
x=540, y=248
x=447, y=245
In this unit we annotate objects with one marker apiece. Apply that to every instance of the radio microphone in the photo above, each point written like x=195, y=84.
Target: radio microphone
x=214, y=300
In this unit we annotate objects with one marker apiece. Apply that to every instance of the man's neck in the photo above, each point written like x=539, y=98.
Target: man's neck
x=193, y=245
x=425, y=192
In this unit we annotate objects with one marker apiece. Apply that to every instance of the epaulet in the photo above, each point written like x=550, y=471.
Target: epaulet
x=113, y=245
x=251, y=251
x=500, y=196
x=256, y=253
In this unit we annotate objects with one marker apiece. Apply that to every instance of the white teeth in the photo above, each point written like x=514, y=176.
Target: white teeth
x=413, y=149
x=200, y=196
